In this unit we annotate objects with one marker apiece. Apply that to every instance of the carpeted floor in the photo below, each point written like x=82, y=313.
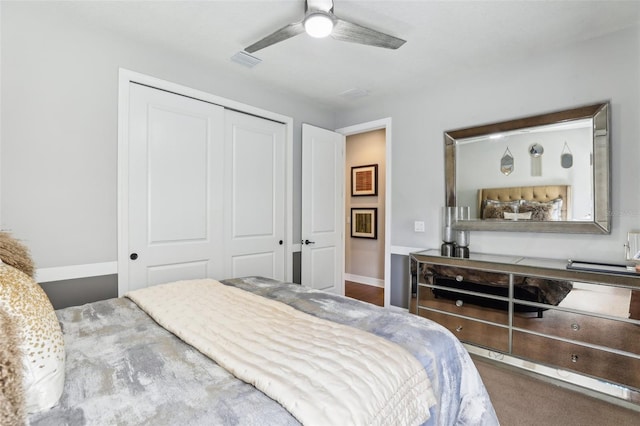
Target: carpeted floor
x=521, y=400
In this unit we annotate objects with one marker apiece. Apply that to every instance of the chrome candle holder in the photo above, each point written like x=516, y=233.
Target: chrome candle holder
x=449, y=216
x=462, y=237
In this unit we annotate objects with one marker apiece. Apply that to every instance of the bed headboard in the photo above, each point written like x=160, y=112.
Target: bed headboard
x=543, y=193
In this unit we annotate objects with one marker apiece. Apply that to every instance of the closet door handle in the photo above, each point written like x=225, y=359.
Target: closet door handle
x=280, y=242
x=133, y=256
x=307, y=242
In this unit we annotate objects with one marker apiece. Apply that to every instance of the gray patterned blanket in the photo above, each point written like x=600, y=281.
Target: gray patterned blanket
x=124, y=369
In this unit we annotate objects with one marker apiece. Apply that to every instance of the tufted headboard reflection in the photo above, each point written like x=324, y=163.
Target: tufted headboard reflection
x=543, y=193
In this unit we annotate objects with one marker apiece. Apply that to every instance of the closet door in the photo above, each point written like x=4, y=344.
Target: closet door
x=254, y=204
x=175, y=188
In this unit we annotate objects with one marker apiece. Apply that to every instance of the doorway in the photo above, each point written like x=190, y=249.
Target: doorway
x=367, y=254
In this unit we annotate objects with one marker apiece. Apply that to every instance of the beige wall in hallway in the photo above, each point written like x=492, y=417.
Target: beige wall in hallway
x=365, y=257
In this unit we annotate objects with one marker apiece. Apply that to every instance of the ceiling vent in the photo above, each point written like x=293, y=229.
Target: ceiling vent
x=243, y=58
x=354, y=93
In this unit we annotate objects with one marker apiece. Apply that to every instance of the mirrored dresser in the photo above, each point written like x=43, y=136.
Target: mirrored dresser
x=579, y=326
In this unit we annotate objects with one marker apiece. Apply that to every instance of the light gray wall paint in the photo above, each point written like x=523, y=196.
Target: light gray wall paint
x=602, y=69
x=400, y=281
x=59, y=131
x=59, y=127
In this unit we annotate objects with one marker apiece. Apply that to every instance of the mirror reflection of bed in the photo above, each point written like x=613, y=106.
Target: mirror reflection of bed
x=601, y=305
x=597, y=299
x=530, y=203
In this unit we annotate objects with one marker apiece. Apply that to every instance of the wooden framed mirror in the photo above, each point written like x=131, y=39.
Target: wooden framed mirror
x=566, y=190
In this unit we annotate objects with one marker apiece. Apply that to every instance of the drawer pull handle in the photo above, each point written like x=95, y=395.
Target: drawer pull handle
x=459, y=328
x=459, y=278
x=459, y=302
x=575, y=327
x=574, y=358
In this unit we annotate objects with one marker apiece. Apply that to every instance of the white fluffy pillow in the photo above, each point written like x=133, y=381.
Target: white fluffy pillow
x=40, y=338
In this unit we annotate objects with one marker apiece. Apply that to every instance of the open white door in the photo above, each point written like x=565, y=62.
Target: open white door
x=322, y=263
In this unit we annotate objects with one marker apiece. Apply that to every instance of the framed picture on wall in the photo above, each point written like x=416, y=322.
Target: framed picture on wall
x=364, y=180
x=364, y=222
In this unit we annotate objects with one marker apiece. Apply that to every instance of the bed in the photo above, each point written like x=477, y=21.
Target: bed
x=123, y=368
x=535, y=203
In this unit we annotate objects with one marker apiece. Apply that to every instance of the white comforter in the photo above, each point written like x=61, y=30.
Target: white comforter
x=321, y=371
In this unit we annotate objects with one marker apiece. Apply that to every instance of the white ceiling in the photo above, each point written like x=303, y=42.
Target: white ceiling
x=444, y=38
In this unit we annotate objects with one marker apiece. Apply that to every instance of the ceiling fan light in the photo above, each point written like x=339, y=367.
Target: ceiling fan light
x=318, y=25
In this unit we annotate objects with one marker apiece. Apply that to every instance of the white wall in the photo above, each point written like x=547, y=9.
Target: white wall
x=602, y=69
x=59, y=127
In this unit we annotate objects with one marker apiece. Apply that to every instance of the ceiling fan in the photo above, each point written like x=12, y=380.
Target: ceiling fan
x=319, y=21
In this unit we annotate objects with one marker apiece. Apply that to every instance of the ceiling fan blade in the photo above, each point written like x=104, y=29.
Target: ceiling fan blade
x=348, y=31
x=283, y=33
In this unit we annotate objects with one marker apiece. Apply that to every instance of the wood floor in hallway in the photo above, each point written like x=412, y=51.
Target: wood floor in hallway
x=366, y=293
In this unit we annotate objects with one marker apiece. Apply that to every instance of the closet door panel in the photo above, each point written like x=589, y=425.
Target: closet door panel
x=254, y=170
x=174, y=213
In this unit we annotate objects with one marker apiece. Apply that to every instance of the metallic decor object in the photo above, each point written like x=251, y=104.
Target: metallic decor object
x=462, y=236
x=506, y=163
x=449, y=216
x=632, y=247
x=464, y=147
x=535, y=151
x=319, y=21
x=566, y=158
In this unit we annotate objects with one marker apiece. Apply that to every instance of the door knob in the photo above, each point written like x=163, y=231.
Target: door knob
x=280, y=242
x=307, y=242
x=133, y=256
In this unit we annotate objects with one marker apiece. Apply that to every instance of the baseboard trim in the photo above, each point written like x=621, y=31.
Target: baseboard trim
x=375, y=282
x=71, y=272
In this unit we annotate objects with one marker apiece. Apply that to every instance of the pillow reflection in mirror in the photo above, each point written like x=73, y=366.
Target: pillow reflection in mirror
x=550, y=210
x=493, y=209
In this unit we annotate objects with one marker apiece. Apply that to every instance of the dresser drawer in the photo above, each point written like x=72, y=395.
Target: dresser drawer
x=614, y=334
x=593, y=362
x=477, y=333
x=458, y=303
x=465, y=274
